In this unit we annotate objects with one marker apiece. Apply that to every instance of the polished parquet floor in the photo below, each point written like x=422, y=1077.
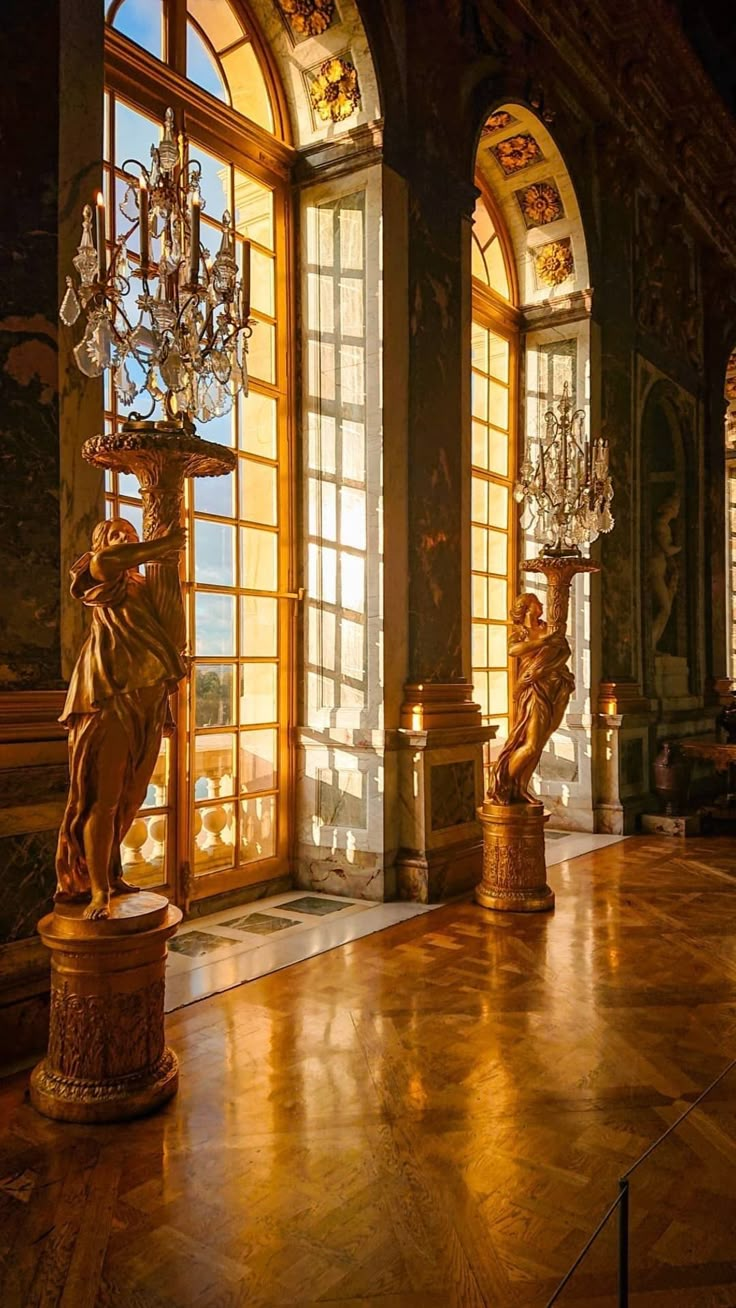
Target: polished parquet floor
x=431, y=1117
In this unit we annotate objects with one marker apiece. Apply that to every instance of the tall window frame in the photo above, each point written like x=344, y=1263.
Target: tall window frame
x=494, y=520
x=175, y=815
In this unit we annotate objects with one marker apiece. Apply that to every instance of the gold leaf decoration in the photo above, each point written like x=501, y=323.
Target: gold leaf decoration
x=516, y=153
x=540, y=203
x=497, y=122
x=554, y=262
x=334, y=92
x=308, y=17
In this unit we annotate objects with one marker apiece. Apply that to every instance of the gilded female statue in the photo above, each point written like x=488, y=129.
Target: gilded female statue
x=115, y=707
x=543, y=687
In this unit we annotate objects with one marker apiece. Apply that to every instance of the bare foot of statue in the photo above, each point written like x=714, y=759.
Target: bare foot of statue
x=99, y=907
x=122, y=887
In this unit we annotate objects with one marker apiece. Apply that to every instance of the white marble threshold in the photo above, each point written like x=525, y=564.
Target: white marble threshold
x=187, y=985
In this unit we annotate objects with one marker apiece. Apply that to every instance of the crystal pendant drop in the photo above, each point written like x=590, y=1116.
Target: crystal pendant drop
x=124, y=387
x=70, y=306
x=167, y=150
x=101, y=341
x=84, y=360
x=122, y=267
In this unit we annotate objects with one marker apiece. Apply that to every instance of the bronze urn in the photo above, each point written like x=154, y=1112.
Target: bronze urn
x=672, y=778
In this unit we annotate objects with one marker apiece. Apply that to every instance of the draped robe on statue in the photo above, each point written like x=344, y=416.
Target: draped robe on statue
x=122, y=678
x=544, y=684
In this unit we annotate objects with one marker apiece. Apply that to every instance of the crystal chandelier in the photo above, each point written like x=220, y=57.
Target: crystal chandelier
x=182, y=339
x=567, y=477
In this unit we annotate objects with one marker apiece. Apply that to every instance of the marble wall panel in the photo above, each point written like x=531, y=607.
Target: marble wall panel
x=26, y=882
x=29, y=484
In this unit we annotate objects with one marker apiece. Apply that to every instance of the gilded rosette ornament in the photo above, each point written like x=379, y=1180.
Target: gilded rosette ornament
x=334, y=92
x=554, y=262
x=308, y=17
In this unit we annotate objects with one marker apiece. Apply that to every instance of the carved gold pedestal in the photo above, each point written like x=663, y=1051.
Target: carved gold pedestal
x=107, y=1059
x=514, y=871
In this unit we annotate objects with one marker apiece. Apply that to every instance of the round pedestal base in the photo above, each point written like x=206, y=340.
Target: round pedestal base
x=107, y=1060
x=69, y=1099
x=514, y=871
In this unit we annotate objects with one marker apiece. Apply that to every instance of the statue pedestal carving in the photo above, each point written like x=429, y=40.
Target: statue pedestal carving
x=514, y=871
x=107, y=1058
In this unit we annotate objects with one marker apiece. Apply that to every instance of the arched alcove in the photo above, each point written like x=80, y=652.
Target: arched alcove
x=530, y=264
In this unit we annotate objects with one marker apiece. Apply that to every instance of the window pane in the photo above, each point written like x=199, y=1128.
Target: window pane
x=497, y=552
x=213, y=690
x=215, y=494
x=479, y=549
x=142, y=21
x=258, y=693
x=480, y=396
x=215, y=188
x=479, y=347
x=214, y=624
x=261, y=352
x=498, y=692
x=479, y=454
x=258, y=760
x=498, y=405
x=480, y=499
x=259, y=559
x=261, y=277
x=248, y=86
x=218, y=20
x=258, y=425
x=498, y=499
x=253, y=210
x=143, y=851
x=480, y=598
x=214, y=838
x=134, y=135
x=498, y=365
x=480, y=645
x=202, y=68
x=214, y=553
x=258, y=627
x=497, y=647
x=214, y=765
x=258, y=491
x=258, y=828
x=498, y=452
x=497, y=594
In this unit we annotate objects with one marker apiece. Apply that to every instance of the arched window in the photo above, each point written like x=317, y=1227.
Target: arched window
x=531, y=301
x=494, y=362
x=215, y=817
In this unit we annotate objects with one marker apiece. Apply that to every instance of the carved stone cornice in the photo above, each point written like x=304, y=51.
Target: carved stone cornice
x=634, y=59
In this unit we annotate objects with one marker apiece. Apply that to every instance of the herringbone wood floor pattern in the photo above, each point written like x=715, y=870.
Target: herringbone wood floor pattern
x=432, y=1117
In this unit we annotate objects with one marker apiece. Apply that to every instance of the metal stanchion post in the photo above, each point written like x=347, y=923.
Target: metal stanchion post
x=623, y=1244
